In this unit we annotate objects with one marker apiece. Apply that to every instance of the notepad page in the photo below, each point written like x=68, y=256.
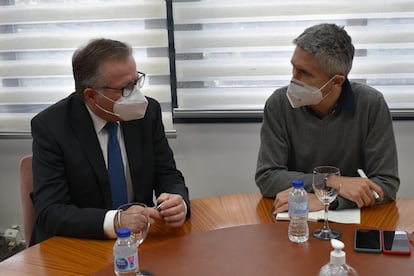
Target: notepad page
x=351, y=216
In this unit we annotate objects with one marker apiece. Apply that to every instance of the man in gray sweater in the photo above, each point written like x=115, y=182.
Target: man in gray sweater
x=322, y=118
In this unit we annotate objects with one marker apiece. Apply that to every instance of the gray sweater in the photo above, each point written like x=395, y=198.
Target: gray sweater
x=357, y=134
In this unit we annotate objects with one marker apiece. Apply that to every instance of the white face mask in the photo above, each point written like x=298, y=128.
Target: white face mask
x=128, y=108
x=302, y=94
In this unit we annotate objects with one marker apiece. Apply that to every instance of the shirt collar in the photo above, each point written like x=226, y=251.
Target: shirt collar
x=98, y=122
x=345, y=101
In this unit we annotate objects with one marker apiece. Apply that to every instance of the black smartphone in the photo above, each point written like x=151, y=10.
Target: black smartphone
x=395, y=242
x=368, y=240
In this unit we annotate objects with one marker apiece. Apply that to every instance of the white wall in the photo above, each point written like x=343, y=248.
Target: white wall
x=214, y=158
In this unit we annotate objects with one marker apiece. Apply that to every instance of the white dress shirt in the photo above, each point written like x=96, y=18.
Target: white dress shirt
x=103, y=137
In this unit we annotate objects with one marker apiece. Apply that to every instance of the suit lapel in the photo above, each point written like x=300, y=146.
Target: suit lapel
x=134, y=142
x=82, y=125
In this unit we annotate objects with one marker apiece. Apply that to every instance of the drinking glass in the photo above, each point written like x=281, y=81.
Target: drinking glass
x=138, y=216
x=322, y=176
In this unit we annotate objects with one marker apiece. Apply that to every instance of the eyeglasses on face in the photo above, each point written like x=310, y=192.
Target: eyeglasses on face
x=127, y=90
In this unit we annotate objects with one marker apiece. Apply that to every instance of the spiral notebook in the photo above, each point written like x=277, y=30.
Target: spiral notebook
x=351, y=216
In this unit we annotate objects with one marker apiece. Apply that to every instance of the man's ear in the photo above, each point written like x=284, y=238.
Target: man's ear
x=89, y=95
x=338, y=81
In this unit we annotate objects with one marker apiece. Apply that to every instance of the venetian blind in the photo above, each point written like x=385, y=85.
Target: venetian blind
x=231, y=55
x=38, y=38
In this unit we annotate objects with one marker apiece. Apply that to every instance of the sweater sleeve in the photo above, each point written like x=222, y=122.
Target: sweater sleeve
x=380, y=161
x=272, y=174
x=380, y=150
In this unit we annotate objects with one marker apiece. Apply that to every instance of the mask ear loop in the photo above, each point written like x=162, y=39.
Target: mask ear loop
x=103, y=109
x=105, y=97
x=323, y=86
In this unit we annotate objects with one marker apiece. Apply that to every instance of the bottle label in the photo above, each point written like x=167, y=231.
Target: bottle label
x=124, y=264
x=298, y=208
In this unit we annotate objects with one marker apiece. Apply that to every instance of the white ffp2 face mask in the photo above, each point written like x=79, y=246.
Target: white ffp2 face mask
x=128, y=108
x=302, y=94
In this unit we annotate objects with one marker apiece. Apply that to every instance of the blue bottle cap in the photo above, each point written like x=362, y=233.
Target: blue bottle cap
x=297, y=183
x=123, y=232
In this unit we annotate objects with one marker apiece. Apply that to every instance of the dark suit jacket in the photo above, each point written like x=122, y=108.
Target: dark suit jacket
x=71, y=188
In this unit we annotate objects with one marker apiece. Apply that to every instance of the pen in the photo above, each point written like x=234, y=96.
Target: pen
x=363, y=175
x=158, y=207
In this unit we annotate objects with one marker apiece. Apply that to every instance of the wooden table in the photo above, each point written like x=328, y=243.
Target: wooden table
x=68, y=256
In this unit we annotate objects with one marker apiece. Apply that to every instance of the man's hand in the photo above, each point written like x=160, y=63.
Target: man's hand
x=135, y=218
x=359, y=190
x=281, y=202
x=356, y=189
x=171, y=208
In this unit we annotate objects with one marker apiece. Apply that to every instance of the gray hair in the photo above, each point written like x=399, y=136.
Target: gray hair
x=331, y=45
x=86, y=61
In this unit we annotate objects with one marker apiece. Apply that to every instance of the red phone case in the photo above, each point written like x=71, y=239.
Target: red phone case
x=403, y=238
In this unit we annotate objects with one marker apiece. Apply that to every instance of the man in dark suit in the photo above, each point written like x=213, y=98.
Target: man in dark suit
x=72, y=191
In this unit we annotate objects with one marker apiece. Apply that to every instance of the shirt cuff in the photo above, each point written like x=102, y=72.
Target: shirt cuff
x=108, y=226
x=186, y=209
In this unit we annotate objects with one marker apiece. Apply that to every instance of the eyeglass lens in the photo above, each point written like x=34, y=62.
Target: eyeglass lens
x=139, y=83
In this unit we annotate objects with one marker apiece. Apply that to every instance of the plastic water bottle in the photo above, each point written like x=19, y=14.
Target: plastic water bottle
x=298, y=213
x=125, y=254
x=337, y=265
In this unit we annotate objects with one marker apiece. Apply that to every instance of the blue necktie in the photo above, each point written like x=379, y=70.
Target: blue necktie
x=116, y=167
